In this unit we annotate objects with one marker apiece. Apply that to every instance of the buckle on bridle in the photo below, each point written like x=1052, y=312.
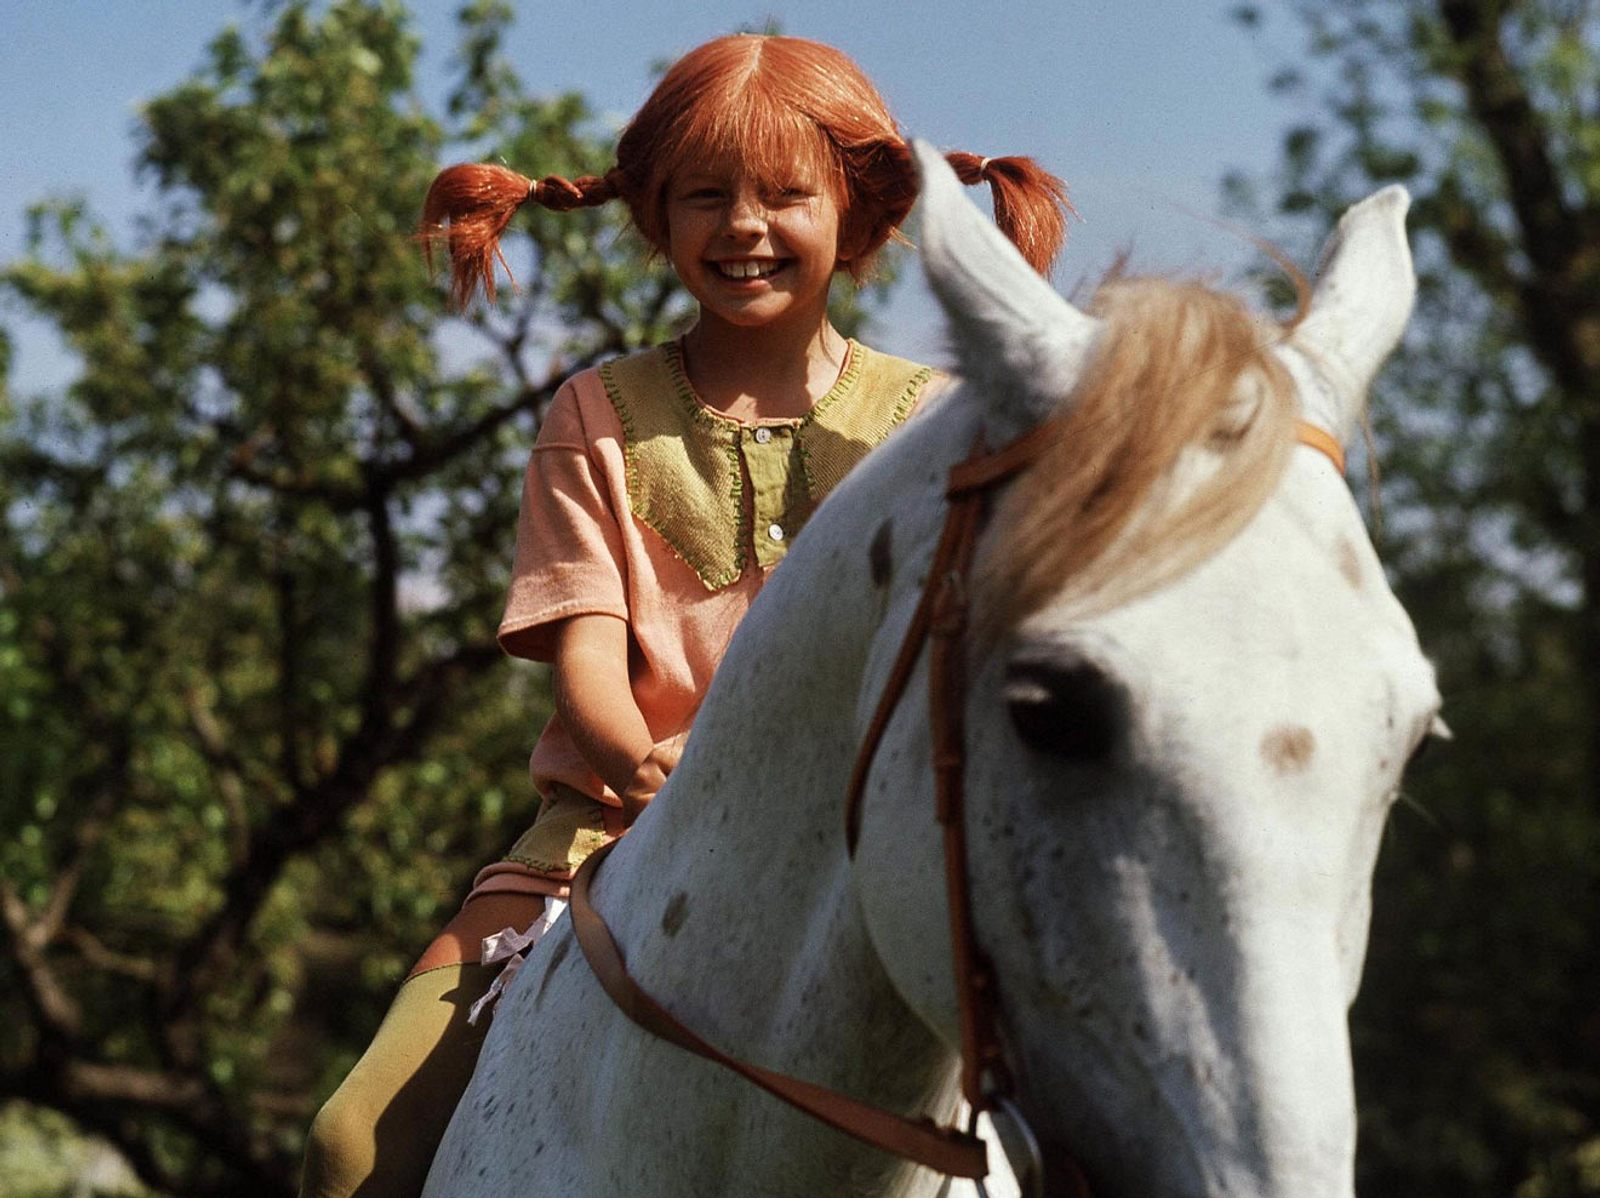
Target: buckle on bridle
x=1021, y=1144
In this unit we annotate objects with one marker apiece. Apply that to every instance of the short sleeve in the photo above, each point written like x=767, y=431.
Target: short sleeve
x=937, y=385
x=569, y=558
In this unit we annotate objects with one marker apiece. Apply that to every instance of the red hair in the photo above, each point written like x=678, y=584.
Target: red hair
x=771, y=104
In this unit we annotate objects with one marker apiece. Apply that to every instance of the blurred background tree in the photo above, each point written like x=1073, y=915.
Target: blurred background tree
x=1478, y=1030
x=256, y=733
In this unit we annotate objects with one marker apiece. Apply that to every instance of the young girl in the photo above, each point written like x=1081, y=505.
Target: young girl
x=663, y=488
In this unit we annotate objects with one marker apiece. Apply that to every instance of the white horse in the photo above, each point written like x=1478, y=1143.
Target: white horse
x=1175, y=794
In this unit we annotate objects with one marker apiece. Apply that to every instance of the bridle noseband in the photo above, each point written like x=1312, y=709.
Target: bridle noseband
x=940, y=622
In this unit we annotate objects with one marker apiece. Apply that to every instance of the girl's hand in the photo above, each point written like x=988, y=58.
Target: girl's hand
x=647, y=779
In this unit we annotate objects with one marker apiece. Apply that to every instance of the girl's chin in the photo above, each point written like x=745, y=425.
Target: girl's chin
x=756, y=318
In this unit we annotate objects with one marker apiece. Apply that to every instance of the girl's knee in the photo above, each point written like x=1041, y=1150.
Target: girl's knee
x=376, y=1135
x=340, y=1147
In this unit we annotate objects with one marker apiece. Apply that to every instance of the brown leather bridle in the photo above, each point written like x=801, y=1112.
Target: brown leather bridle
x=940, y=620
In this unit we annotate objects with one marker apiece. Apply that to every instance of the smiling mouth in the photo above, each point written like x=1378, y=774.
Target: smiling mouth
x=750, y=268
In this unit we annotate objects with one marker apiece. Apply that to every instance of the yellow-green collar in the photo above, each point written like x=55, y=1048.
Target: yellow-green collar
x=687, y=463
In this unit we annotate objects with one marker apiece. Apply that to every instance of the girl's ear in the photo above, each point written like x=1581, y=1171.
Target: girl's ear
x=853, y=239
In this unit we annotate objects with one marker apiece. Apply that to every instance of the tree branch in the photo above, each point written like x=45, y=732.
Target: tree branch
x=1552, y=296
x=226, y=769
x=381, y=742
x=97, y=1082
x=95, y=953
x=1476, y=246
x=60, y=1018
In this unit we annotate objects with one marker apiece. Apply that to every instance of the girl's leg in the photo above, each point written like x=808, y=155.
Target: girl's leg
x=462, y=938
x=376, y=1136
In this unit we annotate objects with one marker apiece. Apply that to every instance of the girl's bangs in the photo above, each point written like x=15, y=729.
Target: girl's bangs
x=759, y=136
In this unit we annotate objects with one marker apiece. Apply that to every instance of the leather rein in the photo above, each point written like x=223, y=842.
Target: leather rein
x=940, y=621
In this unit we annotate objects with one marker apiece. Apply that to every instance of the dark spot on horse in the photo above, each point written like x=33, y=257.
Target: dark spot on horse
x=1288, y=749
x=677, y=911
x=881, y=555
x=557, y=955
x=1349, y=562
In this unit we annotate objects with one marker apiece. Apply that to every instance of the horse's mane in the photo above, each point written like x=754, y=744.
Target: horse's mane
x=1102, y=515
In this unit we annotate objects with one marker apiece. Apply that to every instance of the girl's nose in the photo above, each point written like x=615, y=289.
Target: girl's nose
x=747, y=214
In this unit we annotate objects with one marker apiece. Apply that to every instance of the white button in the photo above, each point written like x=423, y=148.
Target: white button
x=775, y=531
x=763, y=435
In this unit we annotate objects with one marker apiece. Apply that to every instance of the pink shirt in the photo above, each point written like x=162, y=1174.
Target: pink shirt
x=581, y=550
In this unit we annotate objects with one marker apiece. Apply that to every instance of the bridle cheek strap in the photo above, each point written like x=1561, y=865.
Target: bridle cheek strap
x=940, y=620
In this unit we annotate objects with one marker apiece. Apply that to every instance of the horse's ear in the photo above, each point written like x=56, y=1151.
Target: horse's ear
x=1359, y=307
x=1014, y=336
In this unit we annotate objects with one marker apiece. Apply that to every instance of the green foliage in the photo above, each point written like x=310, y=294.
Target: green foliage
x=256, y=735
x=42, y=1155
x=1477, y=1036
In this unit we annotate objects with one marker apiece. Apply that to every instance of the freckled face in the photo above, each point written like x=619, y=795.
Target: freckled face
x=754, y=255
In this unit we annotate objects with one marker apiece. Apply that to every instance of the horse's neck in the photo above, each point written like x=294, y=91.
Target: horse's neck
x=734, y=894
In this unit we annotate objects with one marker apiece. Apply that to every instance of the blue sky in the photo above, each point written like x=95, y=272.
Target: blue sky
x=1142, y=105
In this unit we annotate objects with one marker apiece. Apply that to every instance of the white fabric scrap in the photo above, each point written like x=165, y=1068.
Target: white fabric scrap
x=511, y=946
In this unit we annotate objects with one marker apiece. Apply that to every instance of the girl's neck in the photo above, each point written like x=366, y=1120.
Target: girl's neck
x=768, y=373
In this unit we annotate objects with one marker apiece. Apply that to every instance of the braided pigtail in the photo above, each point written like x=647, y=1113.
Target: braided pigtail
x=1030, y=204
x=470, y=206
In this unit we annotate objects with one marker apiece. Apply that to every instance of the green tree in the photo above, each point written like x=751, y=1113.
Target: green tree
x=256, y=734
x=1478, y=1033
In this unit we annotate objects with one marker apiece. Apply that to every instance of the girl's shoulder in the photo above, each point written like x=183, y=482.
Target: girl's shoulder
x=912, y=384
x=585, y=408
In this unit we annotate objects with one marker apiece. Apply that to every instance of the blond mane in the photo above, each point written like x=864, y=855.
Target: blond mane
x=1178, y=365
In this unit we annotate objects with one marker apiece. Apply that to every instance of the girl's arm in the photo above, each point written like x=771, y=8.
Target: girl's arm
x=595, y=701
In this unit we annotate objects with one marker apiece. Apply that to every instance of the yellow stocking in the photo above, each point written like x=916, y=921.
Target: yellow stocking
x=376, y=1136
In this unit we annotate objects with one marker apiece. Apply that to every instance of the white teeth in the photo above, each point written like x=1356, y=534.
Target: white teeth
x=749, y=269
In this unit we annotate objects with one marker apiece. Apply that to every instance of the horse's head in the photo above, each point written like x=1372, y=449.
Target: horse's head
x=1190, y=705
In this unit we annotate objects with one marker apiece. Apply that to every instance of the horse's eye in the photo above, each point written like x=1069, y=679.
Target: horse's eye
x=1066, y=706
